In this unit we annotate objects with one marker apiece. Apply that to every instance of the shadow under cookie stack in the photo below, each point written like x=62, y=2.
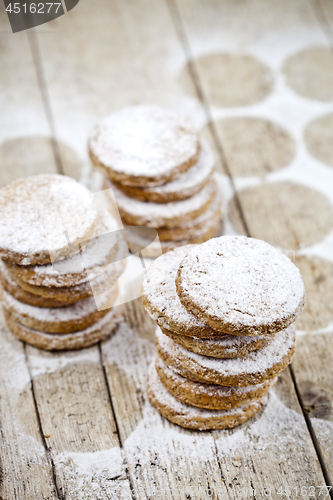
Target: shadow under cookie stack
x=161, y=174
x=224, y=311
x=61, y=258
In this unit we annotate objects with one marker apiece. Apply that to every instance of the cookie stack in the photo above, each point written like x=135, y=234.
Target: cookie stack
x=224, y=311
x=161, y=174
x=61, y=258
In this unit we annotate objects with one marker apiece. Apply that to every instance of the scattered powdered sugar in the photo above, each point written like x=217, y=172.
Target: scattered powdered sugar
x=160, y=296
x=255, y=362
x=241, y=284
x=163, y=214
x=97, y=475
x=37, y=211
x=143, y=140
x=44, y=363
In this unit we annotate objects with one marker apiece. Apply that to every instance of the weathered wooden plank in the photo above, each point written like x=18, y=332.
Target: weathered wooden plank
x=78, y=424
x=25, y=468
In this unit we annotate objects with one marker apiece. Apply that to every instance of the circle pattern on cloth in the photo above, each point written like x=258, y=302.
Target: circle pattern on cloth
x=232, y=79
x=39, y=214
x=318, y=278
x=255, y=368
x=160, y=299
x=310, y=73
x=318, y=136
x=191, y=417
x=284, y=214
x=240, y=285
x=255, y=146
x=144, y=145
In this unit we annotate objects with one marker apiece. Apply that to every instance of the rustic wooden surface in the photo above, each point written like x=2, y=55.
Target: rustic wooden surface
x=77, y=425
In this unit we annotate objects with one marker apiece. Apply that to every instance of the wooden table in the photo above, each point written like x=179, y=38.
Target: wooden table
x=254, y=74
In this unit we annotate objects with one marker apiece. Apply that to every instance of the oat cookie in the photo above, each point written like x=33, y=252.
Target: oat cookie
x=190, y=416
x=143, y=146
x=66, y=319
x=104, y=249
x=76, y=340
x=225, y=346
x=41, y=214
x=160, y=299
x=138, y=213
x=254, y=368
x=185, y=186
x=72, y=294
x=209, y=396
x=10, y=286
x=241, y=286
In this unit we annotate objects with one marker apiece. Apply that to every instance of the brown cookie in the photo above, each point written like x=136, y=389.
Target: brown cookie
x=209, y=396
x=192, y=417
x=73, y=294
x=10, y=285
x=161, y=301
x=177, y=213
x=40, y=214
x=254, y=368
x=225, y=346
x=106, y=248
x=67, y=319
x=143, y=146
x=241, y=286
x=76, y=340
x=184, y=186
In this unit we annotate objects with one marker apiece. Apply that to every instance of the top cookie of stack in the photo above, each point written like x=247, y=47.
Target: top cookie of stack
x=58, y=272
x=161, y=173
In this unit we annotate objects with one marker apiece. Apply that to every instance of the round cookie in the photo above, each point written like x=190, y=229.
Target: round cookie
x=40, y=214
x=66, y=319
x=160, y=299
x=73, y=294
x=76, y=340
x=90, y=263
x=225, y=346
x=209, y=396
x=185, y=186
x=137, y=213
x=11, y=287
x=157, y=247
x=254, y=368
x=143, y=146
x=241, y=286
x=195, y=418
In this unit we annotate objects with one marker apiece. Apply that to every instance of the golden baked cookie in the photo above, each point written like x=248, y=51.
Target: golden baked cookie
x=108, y=247
x=225, y=346
x=209, y=396
x=254, y=368
x=177, y=213
x=154, y=249
x=241, y=286
x=10, y=286
x=44, y=214
x=161, y=301
x=66, y=319
x=192, y=417
x=76, y=340
x=73, y=294
x=143, y=146
x=184, y=186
